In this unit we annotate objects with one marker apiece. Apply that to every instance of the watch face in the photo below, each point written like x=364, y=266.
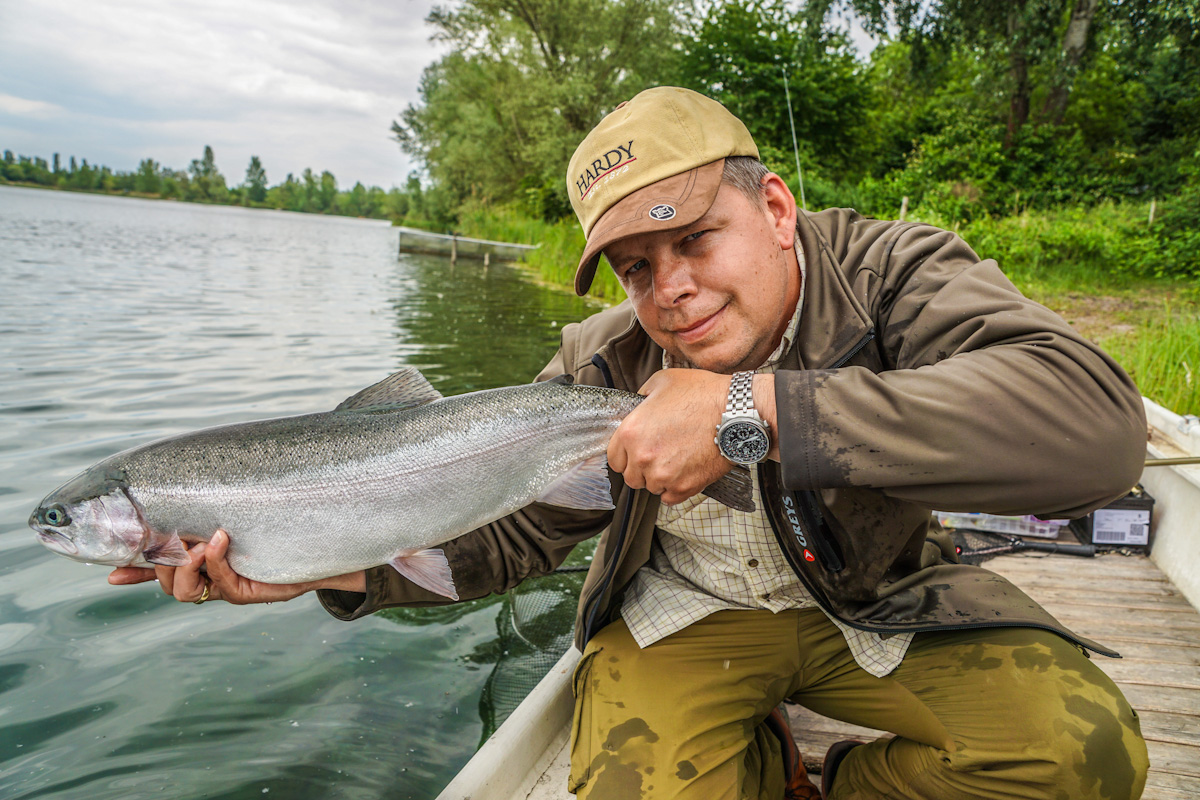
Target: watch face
x=743, y=442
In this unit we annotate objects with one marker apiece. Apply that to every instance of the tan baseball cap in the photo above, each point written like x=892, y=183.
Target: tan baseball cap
x=653, y=164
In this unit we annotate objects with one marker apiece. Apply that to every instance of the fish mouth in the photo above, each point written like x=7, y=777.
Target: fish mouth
x=57, y=542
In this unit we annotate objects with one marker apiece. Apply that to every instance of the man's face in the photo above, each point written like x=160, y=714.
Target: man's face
x=721, y=291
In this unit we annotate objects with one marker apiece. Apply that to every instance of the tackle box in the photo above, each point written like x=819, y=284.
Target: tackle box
x=1121, y=523
x=1027, y=525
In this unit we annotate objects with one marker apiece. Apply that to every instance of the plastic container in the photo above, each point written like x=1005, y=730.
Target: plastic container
x=1027, y=525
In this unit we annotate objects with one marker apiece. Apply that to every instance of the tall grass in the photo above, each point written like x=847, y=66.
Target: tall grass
x=559, y=246
x=1162, y=355
x=1106, y=247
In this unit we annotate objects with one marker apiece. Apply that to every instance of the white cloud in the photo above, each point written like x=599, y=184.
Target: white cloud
x=19, y=106
x=310, y=83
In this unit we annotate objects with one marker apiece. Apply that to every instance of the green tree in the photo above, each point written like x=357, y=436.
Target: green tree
x=256, y=181
x=524, y=81
x=148, y=179
x=207, y=182
x=740, y=52
x=326, y=192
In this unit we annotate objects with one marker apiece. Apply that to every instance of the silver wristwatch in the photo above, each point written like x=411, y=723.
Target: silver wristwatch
x=742, y=436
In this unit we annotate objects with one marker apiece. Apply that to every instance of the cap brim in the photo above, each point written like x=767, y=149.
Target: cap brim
x=688, y=195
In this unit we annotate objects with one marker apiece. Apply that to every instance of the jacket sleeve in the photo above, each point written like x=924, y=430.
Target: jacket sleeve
x=982, y=400
x=493, y=558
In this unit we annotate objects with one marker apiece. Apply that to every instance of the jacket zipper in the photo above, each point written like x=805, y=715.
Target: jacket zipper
x=824, y=606
x=830, y=559
x=627, y=511
x=863, y=342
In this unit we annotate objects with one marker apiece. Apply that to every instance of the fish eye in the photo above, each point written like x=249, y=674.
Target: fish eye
x=56, y=515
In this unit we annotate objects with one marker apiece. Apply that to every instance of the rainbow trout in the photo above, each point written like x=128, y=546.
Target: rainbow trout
x=386, y=477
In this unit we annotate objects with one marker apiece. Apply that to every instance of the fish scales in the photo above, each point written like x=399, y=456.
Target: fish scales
x=323, y=494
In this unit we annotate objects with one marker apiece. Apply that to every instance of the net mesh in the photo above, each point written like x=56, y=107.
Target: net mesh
x=535, y=626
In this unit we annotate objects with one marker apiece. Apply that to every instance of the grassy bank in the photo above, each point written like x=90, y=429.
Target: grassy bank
x=1099, y=268
x=561, y=244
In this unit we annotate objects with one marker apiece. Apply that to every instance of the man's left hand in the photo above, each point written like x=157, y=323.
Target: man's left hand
x=666, y=444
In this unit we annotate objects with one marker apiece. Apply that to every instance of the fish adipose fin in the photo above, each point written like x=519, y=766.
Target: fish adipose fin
x=584, y=485
x=167, y=550
x=735, y=489
x=428, y=569
x=406, y=388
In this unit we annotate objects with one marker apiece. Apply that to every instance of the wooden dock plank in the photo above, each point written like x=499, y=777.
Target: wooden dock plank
x=1120, y=601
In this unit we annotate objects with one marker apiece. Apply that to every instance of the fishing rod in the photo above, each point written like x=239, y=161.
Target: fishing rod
x=1169, y=462
x=1016, y=544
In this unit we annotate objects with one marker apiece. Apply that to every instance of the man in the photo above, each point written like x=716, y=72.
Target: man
x=866, y=371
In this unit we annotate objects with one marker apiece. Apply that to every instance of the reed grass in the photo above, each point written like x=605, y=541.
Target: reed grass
x=1162, y=355
x=1106, y=247
x=559, y=246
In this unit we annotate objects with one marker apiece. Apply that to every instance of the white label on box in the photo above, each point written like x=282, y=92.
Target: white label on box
x=1121, y=526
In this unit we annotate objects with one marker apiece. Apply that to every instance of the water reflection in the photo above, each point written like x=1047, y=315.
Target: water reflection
x=124, y=320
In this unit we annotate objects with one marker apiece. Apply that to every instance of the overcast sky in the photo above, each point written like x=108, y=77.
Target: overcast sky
x=299, y=83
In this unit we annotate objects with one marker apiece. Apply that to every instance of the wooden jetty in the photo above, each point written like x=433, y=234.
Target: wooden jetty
x=411, y=240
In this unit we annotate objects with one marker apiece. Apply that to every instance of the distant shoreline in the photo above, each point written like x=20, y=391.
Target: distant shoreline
x=159, y=197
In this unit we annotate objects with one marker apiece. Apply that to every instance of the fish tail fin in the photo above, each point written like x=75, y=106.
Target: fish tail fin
x=428, y=569
x=735, y=489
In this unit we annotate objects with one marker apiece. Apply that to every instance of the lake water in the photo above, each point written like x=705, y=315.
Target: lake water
x=125, y=320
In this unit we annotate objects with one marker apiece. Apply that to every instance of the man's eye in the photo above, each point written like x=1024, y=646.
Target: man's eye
x=635, y=267
x=691, y=237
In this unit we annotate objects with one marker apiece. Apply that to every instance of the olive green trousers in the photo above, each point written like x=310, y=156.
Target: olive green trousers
x=990, y=713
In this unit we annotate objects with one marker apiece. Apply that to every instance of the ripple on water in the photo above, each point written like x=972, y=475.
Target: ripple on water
x=194, y=316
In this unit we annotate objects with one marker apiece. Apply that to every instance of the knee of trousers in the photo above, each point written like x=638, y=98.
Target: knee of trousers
x=1088, y=746
x=1098, y=750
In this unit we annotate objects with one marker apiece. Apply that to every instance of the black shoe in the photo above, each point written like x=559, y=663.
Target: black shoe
x=833, y=759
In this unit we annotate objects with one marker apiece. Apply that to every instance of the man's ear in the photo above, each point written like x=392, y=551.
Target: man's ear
x=781, y=209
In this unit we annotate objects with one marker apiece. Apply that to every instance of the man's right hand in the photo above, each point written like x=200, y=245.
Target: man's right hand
x=186, y=583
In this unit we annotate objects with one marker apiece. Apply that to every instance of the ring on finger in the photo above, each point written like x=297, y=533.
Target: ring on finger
x=207, y=589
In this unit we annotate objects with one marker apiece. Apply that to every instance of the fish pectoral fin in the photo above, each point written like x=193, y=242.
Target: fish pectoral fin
x=735, y=489
x=584, y=485
x=405, y=388
x=166, y=549
x=428, y=569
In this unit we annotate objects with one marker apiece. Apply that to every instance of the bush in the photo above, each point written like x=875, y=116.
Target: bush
x=1177, y=230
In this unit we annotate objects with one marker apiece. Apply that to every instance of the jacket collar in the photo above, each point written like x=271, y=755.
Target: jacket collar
x=832, y=324
x=834, y=321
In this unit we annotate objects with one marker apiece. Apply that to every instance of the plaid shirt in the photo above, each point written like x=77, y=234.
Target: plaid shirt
x=707, y=557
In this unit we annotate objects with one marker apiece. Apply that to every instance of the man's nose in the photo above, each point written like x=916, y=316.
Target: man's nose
x=674, y=281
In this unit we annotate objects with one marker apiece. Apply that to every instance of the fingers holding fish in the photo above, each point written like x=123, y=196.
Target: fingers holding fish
x=666, y=444
x=186, y=583
x=127, y=576
x=226, y=584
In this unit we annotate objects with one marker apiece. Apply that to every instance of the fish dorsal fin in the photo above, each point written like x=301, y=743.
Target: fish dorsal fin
x=406, y=388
